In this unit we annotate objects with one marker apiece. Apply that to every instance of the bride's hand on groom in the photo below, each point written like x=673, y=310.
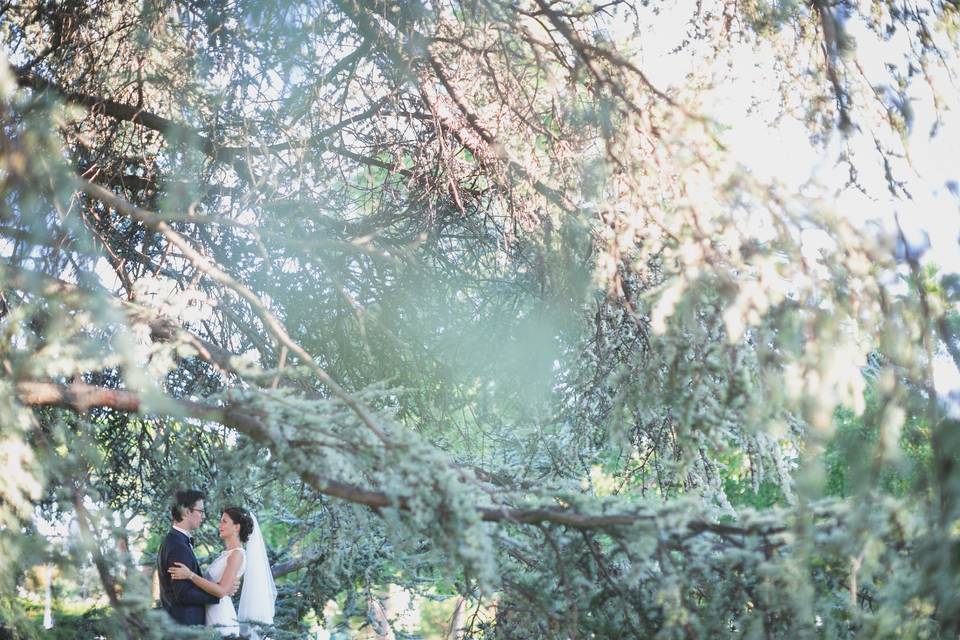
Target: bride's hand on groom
x=179, y=571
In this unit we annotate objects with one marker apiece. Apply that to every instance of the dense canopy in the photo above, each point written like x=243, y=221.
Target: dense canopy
x=482, y=300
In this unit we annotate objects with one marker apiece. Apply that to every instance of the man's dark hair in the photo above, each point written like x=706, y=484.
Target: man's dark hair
x=183, y=501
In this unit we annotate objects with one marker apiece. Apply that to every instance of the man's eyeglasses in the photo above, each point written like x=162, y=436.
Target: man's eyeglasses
x=200, y=511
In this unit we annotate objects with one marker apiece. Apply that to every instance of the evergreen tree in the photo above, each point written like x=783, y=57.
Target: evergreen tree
x=472, y=298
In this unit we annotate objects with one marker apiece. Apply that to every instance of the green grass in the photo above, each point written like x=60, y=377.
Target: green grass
x=70, y=620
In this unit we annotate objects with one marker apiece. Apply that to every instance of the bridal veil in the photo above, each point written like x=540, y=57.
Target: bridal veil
x=259, y=594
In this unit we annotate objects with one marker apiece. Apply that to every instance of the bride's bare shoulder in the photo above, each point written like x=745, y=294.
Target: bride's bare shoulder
x=230, y=553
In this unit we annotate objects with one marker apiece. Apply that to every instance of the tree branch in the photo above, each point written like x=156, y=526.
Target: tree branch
x=83, y=397
x=184, y=134
x=270, y=321
x=161, y=329
x=77, y=396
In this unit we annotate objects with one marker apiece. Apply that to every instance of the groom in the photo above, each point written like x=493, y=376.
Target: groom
x=182, y=599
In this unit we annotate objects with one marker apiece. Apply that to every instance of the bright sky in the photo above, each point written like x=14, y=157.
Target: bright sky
x=748, y=104
x=781, y=150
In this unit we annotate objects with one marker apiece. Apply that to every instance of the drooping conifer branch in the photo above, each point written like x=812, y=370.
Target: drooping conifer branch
x=83, y=397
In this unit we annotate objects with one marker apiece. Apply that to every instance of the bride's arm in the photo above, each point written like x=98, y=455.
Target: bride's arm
x=226, y=585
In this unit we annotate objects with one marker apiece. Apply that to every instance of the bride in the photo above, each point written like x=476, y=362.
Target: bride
x=237, y=526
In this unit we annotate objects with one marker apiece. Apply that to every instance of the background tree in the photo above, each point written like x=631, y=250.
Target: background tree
x=459, y=298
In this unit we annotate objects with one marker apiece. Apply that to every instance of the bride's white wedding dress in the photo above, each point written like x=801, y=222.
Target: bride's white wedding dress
x=222, y=615
x=258, y=595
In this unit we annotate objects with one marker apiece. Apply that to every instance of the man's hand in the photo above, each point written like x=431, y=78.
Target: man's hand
x=235, y=587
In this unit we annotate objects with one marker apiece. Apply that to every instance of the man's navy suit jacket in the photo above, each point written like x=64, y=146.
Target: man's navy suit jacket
x=182, y=599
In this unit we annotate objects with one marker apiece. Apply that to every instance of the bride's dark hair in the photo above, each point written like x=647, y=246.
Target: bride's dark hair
x=241, y=516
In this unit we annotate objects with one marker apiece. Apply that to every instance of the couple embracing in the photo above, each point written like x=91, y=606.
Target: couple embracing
x=193, y=598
